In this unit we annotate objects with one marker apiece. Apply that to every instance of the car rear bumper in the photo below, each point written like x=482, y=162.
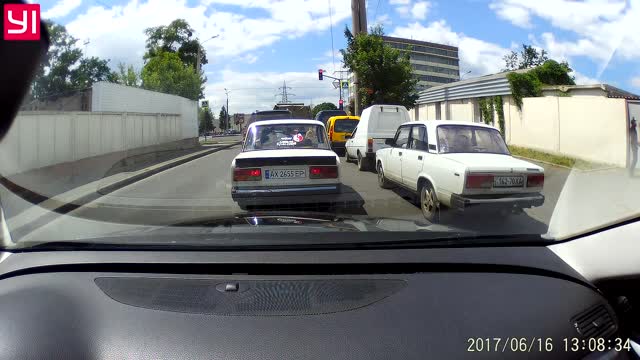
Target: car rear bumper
x=325, y=194
x=338, y=144
x=499, y=202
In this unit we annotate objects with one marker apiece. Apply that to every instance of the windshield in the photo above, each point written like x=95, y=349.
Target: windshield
x=470, y=139
x=171, y=121
x=345, y=126
x=286, y=136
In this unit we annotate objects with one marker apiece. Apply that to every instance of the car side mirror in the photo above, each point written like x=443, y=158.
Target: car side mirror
x=348, y=136
x=390, y=142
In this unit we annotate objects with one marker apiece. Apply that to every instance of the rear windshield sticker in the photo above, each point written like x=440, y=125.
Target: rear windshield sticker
x=298, y=137
x=286, y=143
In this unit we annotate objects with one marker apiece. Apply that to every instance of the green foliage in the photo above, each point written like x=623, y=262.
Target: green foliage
x=177, y=38
x=224, y=122
x=497, y=101
x=384, y=74
x=205, y=123
x=530, y=84
x=486, y=110
x=64, y=69
x=524, y=85
x=322, y=106
x=127, y=75
x=166, y=73
x=527, y=58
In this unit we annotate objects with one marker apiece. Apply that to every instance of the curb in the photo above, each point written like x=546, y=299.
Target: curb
x=135, y=178
x=566, y=167
x=85, y=199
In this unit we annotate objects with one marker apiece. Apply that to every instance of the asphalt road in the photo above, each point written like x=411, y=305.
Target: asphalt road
x=201, y=189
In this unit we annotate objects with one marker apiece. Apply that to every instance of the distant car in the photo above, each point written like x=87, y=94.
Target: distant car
x=272, y=115
x=286, y=162
x=377, y=123
x=324, y=115
x=460, y=165
x=337, y=128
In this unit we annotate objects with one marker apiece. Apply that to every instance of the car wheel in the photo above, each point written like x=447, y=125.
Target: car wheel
x=362, y=163
x=383, y=182
x=429, y=203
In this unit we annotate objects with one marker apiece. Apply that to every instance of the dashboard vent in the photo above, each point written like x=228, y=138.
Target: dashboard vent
x=594, y=322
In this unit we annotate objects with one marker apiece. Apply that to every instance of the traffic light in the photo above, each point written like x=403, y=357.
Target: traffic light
x=320, y=74
x=340, y=104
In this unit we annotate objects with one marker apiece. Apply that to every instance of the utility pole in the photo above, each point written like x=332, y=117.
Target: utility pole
x=359, y=21
x=227, y=122
x=198, y=72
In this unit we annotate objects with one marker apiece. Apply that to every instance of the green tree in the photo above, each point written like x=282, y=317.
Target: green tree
x=64, y=69
x=322, y=106
x=527, y=58
x=205, y=124
x=384, y=73
x=166, y=73
x=127, y=75
x=223, y=118
x=177, y=37
x=530, y=83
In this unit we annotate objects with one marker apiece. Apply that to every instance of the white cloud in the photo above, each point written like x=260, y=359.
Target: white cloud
x=61, y=8
x=478, y=56
x=403, y=10
x=420, y=9
x=516, y=14
x=598, y=29
x=635, y=82
x=384, y=20
x=582, y=79
x=117, y=33
x=399, y=2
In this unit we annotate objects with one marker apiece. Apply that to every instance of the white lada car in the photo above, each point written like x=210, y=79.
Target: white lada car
x=460, y=165
x=287, y=162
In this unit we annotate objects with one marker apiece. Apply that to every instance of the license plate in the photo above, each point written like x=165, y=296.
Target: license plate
x=508, y=181
x=285, y=174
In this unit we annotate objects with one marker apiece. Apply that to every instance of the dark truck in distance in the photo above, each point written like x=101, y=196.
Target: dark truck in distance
x=324, y=115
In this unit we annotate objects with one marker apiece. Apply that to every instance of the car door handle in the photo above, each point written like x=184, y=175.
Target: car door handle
x=419, y=157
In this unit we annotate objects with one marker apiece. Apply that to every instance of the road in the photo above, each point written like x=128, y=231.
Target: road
x=201, y=189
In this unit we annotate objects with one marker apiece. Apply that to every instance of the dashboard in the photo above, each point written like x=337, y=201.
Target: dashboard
x=480, y=303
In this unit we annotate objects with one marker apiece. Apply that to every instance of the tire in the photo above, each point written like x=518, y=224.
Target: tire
x=383, y=182
x=362, y=163
x=429, y=203
x=346, y=155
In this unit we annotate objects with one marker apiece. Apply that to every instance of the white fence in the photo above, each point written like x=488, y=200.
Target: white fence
x=119, y=98
x=39, y=139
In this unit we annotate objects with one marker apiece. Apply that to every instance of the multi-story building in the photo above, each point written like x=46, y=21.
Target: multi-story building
x=433, y=64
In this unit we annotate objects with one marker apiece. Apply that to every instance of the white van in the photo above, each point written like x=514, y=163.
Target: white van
x=377, y=123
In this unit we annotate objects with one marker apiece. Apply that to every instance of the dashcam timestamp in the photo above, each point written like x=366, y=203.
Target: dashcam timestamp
x=539, y=344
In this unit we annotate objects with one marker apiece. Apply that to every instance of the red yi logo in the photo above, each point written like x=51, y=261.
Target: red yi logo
x=21, y=21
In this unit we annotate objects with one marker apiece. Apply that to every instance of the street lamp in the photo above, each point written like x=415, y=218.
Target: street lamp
x=198, y=72
x=227, y=93
x=198, y=58
x=465, y=73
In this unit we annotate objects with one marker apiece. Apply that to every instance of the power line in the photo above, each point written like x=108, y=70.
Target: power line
x=333, y=52
x=375, y=14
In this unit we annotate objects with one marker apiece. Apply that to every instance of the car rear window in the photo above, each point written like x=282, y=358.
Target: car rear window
x=345, y=125
x=470, y=139
x=286, y=136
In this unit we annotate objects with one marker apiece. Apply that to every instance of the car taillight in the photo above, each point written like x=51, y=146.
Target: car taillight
x=323, y=172
x=330, y=134
x=479, y=181
x=536, y=180
x=370, y=145
x=247, y=174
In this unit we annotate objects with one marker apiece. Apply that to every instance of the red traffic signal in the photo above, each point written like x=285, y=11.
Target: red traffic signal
x=320, y=74
x=341, y=102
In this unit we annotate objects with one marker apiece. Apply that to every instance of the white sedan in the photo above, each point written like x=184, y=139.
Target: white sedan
x=460, y=165
x=286, y=162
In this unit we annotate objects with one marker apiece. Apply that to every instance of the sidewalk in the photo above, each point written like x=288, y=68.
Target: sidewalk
x=591, y=200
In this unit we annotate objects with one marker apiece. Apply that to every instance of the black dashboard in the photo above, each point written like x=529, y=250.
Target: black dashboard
x=480, y=303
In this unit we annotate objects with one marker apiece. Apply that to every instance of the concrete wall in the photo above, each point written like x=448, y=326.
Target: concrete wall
x=460, y=110
x=40, y=139
x=586, y=127
x=119, y=98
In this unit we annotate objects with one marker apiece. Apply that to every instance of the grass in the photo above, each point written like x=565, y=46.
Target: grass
x=560, y=160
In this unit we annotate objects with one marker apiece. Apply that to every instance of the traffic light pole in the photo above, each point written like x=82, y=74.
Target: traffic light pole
x=321, y=76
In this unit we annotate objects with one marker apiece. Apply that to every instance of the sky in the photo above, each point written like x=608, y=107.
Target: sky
x=263, y=43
